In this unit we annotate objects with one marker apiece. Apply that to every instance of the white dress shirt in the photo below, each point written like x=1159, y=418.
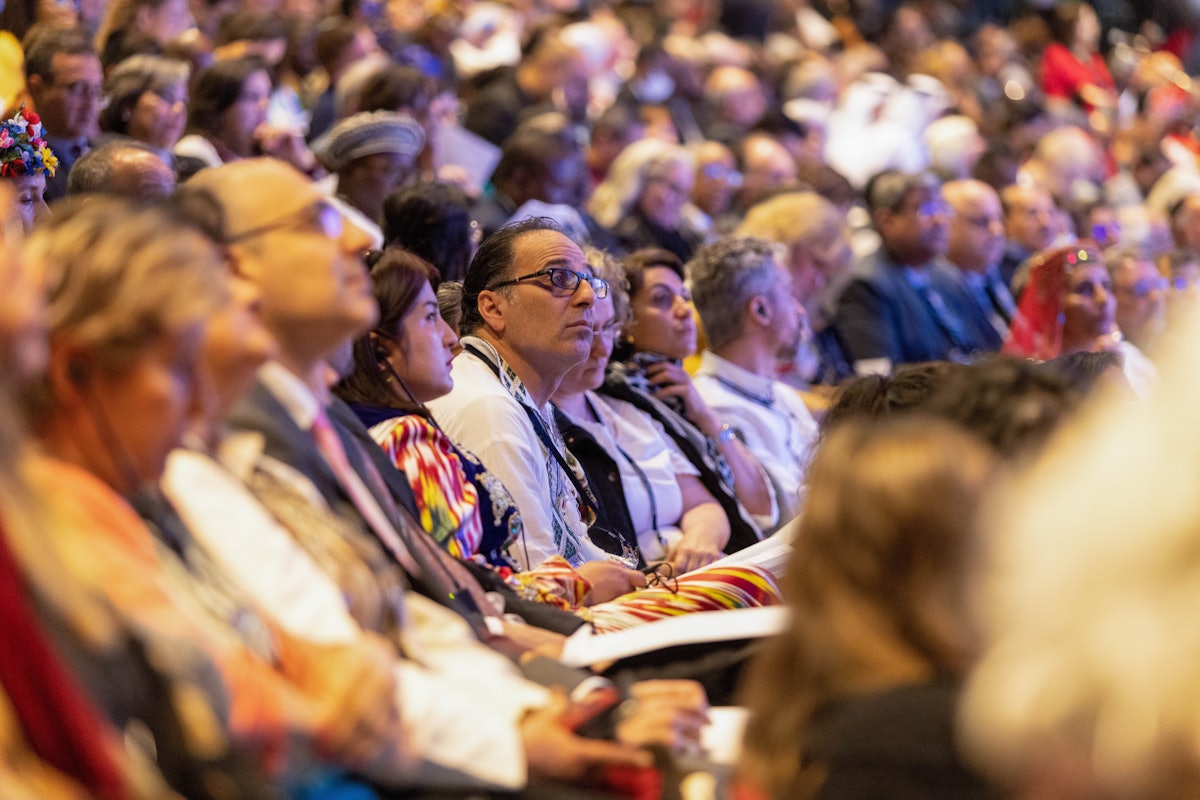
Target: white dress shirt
x=769, y=417
x=482, y=416
x=460, y=705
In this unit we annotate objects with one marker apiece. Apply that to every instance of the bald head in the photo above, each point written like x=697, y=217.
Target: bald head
x=122, y=169
x=766, y=165
x=254, y=191
x=302, y=255
x=975, y=240
x=736, y=95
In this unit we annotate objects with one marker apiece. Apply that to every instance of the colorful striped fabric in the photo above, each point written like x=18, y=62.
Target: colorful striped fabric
x=448, y=486
x=450, y=508
x=713, y=589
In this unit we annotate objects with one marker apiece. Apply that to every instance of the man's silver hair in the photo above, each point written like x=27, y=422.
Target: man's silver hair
x=724, y=275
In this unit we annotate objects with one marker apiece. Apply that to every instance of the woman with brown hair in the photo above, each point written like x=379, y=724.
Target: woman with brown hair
x=857, y=697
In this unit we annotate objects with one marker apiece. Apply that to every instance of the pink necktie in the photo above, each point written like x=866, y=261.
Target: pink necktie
x=330, y=445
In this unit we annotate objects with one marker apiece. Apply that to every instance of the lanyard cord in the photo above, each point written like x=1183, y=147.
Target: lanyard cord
x=539, y=427
x=641, y=474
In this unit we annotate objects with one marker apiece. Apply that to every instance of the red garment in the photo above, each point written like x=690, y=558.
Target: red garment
x=1063, y=75
x=1037, y=329
x=58, y=720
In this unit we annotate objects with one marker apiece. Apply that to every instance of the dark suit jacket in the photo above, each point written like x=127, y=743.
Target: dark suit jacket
x=880, y=315
x=1014, y=256
x=984, y=336
x=56, y=187
x=259, y=411
x=715, y=664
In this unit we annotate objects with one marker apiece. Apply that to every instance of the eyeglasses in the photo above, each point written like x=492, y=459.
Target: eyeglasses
x=78, y=90
x=720, y=172
x=662, y=575
x=1184, y=282
x=930, y=208
x=609, y=331
x=562, y=278
x=320, y=217
x=982, y=221
x=665, y=181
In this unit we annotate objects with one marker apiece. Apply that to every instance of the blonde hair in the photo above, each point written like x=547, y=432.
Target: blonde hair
x=119, y=275
x=606, y=266
x=621, y=188
x=1088, y=598
x=795, y=219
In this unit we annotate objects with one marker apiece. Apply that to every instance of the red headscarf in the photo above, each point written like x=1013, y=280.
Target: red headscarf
x=1037, y=328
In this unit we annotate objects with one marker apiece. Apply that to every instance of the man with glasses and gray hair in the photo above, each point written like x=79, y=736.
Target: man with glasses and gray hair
x=527, y=320
x=896, y=308
x=743, y=292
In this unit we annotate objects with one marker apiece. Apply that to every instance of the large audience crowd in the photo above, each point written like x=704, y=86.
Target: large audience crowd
x=385, y=387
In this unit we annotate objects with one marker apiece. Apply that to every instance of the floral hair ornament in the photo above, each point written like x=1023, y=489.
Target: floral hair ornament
x=23, y=148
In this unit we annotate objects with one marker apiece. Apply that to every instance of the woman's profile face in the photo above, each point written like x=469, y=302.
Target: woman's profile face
x=588, y=374
x=662, y=315
x=236, y=343
x=143, y=406
x=247, y=113
x=665, y=191
x=1089, y=305
x=30, y=205
x=23, y=342
x=159, y=116
x=423, y=349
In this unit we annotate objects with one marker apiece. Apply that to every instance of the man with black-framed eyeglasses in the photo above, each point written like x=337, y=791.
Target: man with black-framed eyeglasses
x=528, y=303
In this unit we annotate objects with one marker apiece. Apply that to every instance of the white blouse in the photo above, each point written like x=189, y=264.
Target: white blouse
x=648, y=462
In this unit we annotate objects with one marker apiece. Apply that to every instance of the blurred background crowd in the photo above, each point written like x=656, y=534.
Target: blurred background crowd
x=359, y=357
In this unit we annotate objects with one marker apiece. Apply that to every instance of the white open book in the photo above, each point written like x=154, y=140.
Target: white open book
x=584, y=647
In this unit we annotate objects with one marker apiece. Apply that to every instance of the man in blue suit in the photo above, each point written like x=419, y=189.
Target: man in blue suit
x=974, y=248
x=896, y=308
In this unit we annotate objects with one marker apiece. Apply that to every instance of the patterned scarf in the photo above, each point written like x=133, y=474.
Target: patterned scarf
x=563, y=496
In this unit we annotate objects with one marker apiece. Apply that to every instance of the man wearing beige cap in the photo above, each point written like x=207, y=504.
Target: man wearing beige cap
x=369, y=154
